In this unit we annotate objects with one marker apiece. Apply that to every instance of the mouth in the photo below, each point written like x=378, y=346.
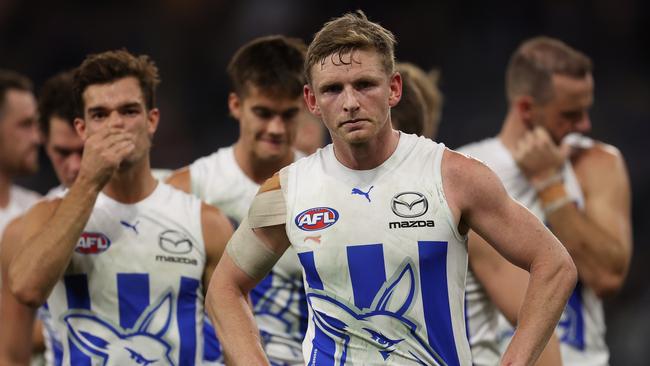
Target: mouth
x=352, y=122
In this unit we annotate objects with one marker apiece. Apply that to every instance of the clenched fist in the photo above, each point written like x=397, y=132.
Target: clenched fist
x=103, y=152
x=538, y=156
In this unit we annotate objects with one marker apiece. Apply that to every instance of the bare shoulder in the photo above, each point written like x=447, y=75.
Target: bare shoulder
x=180, y=179
x=598, y=156
x=271, y=184
x=214, y=219
x=598, y=164
x=466, y=178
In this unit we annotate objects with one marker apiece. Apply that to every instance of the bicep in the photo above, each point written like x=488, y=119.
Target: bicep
x=180, y=179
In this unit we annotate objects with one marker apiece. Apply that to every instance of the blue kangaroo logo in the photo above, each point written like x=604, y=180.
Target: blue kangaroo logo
x=383, y=326
x=362, y=193
x=141, y=345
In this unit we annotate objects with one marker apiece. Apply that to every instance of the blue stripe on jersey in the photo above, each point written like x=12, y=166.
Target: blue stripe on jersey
x=186, y=317
x=367, y=272
x=57, y=350
x=574, y=322
x=261, y=289
x=304, y=312
x=323, y=349
x=311, y=275
x=78, y=297
x=435, y=299
x=133, y=296
x=211, y=346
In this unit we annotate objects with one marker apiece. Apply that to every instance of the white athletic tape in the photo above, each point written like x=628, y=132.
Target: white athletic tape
x=249, y=253
x=268, y=209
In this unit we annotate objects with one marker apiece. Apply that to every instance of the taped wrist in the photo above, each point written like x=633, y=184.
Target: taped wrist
x=249, y=253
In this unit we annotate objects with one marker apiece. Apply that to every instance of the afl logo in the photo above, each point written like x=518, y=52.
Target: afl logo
x=92, y=243
x=317, y=218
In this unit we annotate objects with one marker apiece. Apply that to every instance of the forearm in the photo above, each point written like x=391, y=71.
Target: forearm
x=550, y=285
x=601, y=259
x=43, y=256
x=15, y=331
x=233, y=319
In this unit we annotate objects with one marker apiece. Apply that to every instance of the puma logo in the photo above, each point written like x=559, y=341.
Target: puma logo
x=313, y=238
x=362, y=193
x=133, y=227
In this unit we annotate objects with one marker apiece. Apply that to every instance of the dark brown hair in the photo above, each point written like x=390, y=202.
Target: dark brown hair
x=107, y=67
x=534, y=63
x=57, y=99
x=272, y=63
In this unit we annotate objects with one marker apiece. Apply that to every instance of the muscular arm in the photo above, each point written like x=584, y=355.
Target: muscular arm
x=600, y=238
x=50, y=233
x=227, y=296
x=16, y=318
x=181, y=179
x=478, y=198
x=505, y=285
x=51, y=228
x=217, y=230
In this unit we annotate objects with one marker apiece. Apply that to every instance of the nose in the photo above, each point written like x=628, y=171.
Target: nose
x=584, y=125
x=115, y=120
x=73, y=165
x=276, y=125
x=350, y=101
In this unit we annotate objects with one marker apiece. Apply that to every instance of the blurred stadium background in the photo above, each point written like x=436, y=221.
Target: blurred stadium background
x=469, y=41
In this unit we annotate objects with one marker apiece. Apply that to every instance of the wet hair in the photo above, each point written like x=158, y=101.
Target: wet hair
x=110, y=66
x=352, y=31
x=57, y=99
x=272, y=63
x=534, y=63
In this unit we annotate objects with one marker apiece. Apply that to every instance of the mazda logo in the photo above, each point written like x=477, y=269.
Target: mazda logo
x=174, y=242
x=409, y=204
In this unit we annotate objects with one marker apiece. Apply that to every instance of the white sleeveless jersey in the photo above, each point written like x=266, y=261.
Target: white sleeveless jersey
x=20, y=200
x=132, y=293
x=279, y=300
x=581, y=329
x=384, y=265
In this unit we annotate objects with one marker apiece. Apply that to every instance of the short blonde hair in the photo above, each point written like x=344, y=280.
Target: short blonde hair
x=352, y=31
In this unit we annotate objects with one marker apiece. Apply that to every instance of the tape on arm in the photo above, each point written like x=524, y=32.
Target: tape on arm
x=249, y=253
x=268, y=209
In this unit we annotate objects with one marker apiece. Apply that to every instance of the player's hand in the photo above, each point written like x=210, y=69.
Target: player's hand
x=103, y=153
x=538, y=156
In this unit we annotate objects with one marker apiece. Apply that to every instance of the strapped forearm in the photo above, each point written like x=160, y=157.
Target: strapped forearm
x=48, y=243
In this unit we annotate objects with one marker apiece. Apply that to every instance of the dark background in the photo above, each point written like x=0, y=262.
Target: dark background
x=469, y=41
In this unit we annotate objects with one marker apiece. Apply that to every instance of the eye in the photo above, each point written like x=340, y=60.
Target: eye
x=330, y=89
x=263, y=113
x=99, y=115
x=363, y=84
x=290, y=114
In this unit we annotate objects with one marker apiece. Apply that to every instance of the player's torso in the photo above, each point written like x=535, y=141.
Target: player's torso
x=278, y=301
x=384, y=266
x=132, y=293
x=581, y=329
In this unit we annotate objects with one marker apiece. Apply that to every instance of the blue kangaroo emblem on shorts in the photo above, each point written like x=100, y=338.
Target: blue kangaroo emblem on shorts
x=383, y=326
x=141, y=345
x=362, y=193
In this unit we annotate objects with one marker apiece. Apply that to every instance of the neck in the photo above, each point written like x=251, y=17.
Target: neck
x=131, y=185
x=368, y=155
x=5, y=186
x=512, y=131
x=259, y=170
